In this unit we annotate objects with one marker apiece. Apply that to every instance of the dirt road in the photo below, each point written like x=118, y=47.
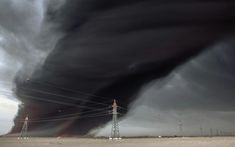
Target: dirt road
x=149, y=142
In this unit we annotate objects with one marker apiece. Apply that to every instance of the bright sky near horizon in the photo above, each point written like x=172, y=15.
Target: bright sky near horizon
x=8, y=110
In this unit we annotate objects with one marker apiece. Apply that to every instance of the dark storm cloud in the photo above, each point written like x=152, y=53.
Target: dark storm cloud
x=113, y=48
x=25, y=40
x=200, y=94
x=23, y=32
x=204, y=83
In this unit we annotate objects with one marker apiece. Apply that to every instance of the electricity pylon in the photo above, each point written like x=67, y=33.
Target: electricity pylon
x=180, y=125
x=24, y=130
x=115, y=128
x=211, y=132
x=217, y=132
x=201, y=131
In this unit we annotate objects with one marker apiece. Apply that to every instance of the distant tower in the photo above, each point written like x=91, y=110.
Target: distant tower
x=211, y=132
x=180, y=128
x=221, y=133
x=201, y=131
x=24, y=130
x=115, y=128
x=217, y=132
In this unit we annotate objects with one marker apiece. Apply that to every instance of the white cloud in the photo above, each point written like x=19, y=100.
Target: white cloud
x=25, y=40
x=8, y=110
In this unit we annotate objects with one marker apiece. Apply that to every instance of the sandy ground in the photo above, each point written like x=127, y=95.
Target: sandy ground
x=158, y=142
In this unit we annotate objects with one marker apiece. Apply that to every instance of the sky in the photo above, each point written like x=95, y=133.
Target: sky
x=199, y=94
x=165, y=62
x=21, y=49
x=8, y=111
x=8, y=102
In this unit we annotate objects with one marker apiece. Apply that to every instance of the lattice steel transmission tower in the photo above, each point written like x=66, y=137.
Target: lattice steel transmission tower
x=180, y=125
x=201, y=131
x=211, y=132
x=24, y=130
x=115, y=128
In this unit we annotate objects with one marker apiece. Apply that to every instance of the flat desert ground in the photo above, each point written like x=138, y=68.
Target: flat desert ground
x=136, y=142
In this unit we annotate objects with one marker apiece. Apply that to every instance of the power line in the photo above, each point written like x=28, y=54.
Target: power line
x=77, y=116
x=76, y=91
x=68, y=118
x=78, y=113
x=73, y=90
x=71, y=115
x=69, y=97
x=57, y=102
x=68, y=104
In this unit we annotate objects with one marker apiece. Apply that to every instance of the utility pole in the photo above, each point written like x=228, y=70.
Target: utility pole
x=211, y=132
x=115, y=128
x=24, y=130
x=221, y=133
x=217, y=132
x=201, y=131
x=180, y=128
